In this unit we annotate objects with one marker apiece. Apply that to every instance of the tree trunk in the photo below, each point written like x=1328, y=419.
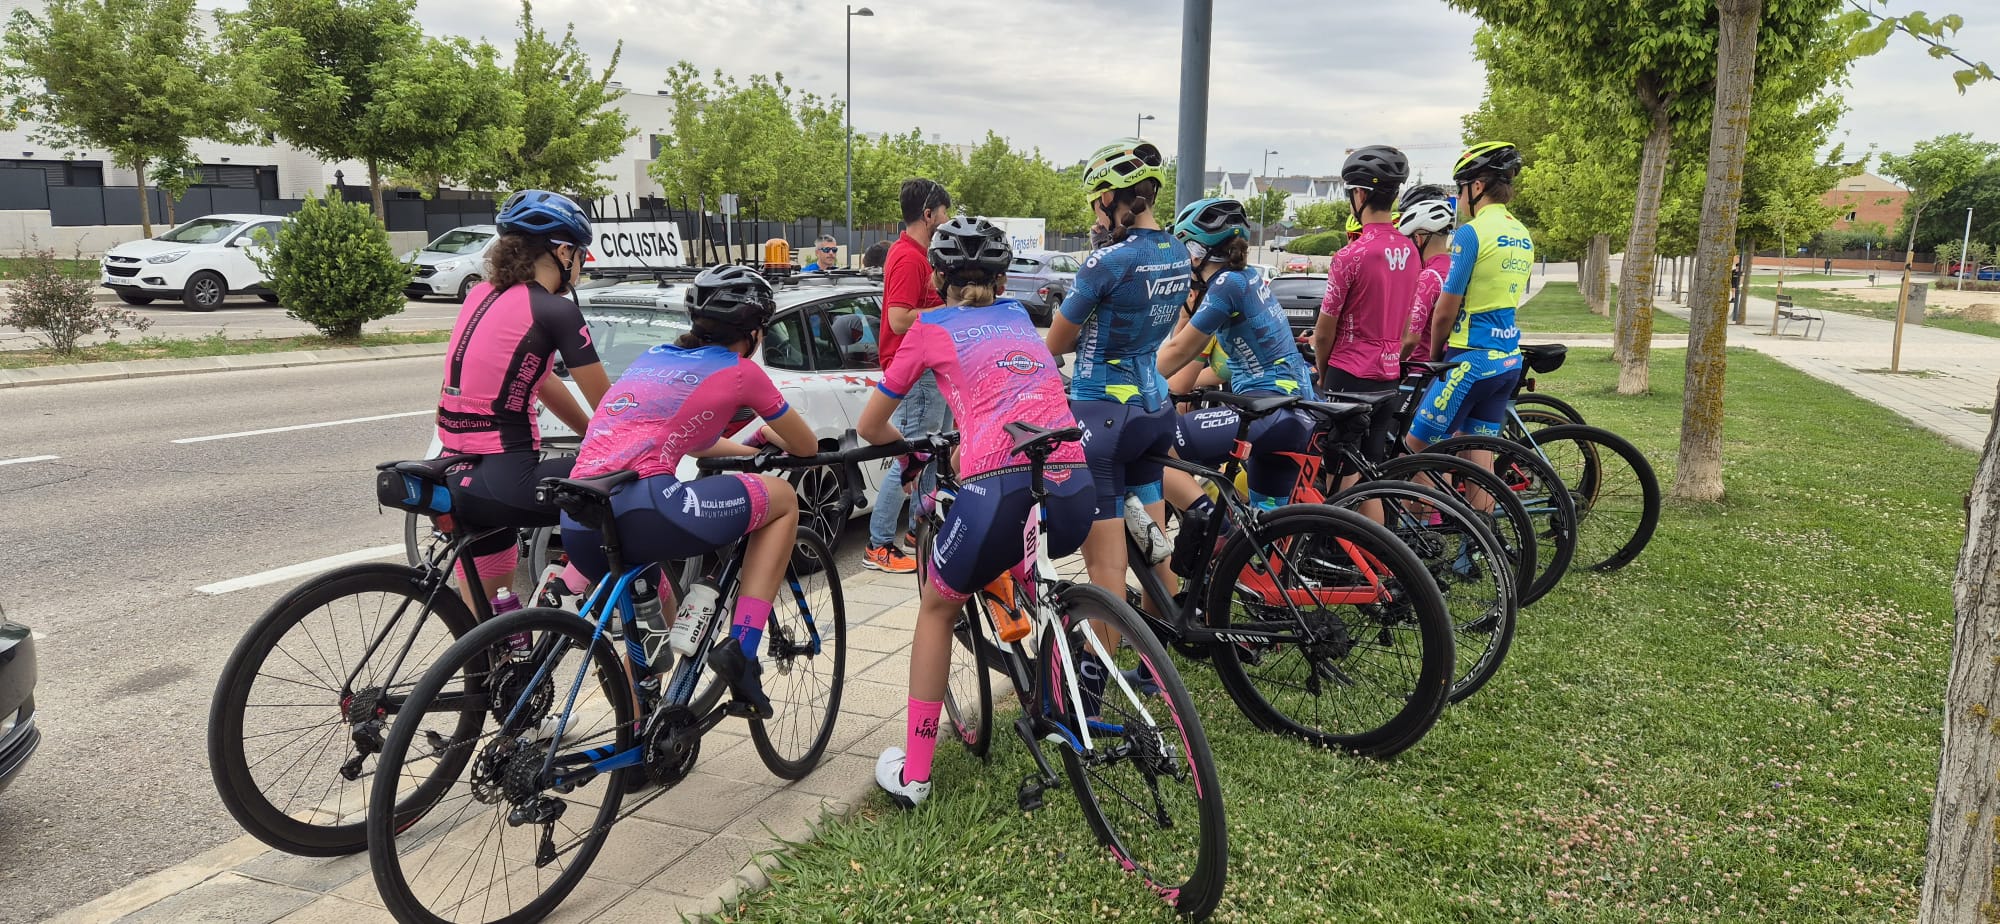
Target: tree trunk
x=1903, y=294
x=145, y=206
x=1698, y=473
x=1635, y=277
x=1959, y=864
x=1597, y=291
x=1675, y=274
x=375, y=192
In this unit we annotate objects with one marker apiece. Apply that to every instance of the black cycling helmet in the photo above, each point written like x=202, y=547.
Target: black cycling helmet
x=1377, y=166
x=732, y=296
x=971, y=247
x=1488, y=160
x=1424, y=193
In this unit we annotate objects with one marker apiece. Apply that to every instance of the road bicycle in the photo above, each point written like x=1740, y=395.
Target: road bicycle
x=574, y=727
x=1137, y=759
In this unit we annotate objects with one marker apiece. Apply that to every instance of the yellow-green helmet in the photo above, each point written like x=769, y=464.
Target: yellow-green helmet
x=1490, y=158
x=1121, y=164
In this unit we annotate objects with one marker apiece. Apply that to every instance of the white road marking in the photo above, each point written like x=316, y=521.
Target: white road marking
x=27, y=459
x=302, y=569
x=310, y=426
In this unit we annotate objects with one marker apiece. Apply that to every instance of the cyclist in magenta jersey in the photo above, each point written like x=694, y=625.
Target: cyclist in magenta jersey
x=676, y=401
x=502, y=348
x=1370, y=286
x=992, y=367
x=1428, y=214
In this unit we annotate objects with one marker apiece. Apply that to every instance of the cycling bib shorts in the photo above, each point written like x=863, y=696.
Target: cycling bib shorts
x=1207, y=437
x=1117, y=439
x=664, y=519
x=1471, y=398
x=984, y=534
x=499, y=490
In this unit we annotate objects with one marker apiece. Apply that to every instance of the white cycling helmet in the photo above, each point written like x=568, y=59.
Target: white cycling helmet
x=1432, y=215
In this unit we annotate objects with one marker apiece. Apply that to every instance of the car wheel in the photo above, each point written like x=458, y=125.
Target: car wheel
x=131, y=299
x=465, y=291
x=204, y=292
x=269, y=298
x=822, y=505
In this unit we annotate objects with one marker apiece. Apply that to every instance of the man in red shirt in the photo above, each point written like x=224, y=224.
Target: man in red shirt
x=907, y=290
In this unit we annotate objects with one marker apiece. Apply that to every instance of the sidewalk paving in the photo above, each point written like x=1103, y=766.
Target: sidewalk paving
x=688, y=853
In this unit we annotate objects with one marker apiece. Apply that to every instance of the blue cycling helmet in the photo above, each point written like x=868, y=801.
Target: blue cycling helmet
x=1210, y=222
x=543, y=214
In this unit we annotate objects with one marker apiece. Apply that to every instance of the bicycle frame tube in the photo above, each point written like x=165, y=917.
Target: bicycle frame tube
x=439, y=580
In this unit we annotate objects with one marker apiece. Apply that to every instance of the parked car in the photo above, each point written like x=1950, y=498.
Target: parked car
x=200, y=262
x=1298, y=265
x=1040, y=279
x=1300, y=294
x=452, y=264
x=1989, y=274
x=1265, y=271
x=1279, y=243
x=18, y=735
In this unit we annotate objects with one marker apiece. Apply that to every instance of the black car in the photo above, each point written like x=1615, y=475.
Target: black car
x=1300, y=294
x=18, y=735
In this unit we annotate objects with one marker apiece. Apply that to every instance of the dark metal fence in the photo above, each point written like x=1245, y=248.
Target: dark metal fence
x=84, y=206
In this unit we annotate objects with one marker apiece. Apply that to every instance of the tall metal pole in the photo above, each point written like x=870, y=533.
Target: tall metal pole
x=1197, y=20
x=1261, y=198
x=1962, y=245
x=847, y=109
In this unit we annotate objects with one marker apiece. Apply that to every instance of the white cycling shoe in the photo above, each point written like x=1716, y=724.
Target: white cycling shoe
x=889, y=776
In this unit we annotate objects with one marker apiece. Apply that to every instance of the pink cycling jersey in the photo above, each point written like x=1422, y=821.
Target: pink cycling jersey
x=499, y=354
x=1369, y=288
x=671, y=402
x=992, y=368
x=1430, y=285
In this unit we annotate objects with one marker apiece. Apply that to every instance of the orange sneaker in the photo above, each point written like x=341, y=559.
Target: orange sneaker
x=888, y=558
x=1012, y=624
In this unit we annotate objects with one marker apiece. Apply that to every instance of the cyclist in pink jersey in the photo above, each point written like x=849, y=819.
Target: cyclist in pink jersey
x=677, y=401
x=508, y=335
x=991, y=365
x=1369, y=288
x=1428, y=214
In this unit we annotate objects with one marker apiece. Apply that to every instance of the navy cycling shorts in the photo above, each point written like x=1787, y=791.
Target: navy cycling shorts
x=1117, y=439
x=1207, y=436
x=1471, y=398
x=662, y=519
x=984, y=534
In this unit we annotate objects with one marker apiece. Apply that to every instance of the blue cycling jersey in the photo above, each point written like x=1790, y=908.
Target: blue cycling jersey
x=1256, y=340
x=1125, y=299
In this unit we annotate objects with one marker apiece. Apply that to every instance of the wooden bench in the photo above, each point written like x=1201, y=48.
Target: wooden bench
x=1792, y=314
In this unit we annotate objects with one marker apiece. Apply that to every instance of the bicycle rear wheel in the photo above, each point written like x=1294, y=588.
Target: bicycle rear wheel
x=1542, y=493
x=1463, y=480
x=1148, y=783
x=291, y=739
x=1617, y=496
x=968, y=690
x=516, y=836
x=1550, y=404
x=1371, y=659
x=805, y=662
x=1465, y=559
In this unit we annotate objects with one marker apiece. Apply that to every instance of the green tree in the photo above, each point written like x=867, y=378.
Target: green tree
x=175, y=174
x=1931, y=169
x=332, y=267
x=566, y=125
x=442, y=108
x=1322, y=216
x=1268, y=205
x=136, y=78
x=1945, y=221
x=751, y=139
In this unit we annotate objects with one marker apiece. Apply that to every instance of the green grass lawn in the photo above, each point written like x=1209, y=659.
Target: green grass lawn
x=211, y=345
x=1742, y=725
x=1836, y=300
x=10, y=267
x=1559, y=309
x=1757, y=279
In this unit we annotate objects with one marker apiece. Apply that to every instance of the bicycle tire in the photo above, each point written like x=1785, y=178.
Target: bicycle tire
x=798, y=667
x=251, y=801
x=968, y=690
x=1190, y=880
x=1464, y=557
x=1562, y=408
x=1523, y=422
x=1610, y=533
x=1315, y=539
x=1511, y=523
x=557, y=633
x=1542, y=492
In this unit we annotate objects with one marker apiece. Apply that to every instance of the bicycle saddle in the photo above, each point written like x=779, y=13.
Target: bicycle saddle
x=1032, y=440
x=431, y=470
x=586, y=499
x=1545, y=357
x=1251, y=405
x=1343, y=407
x=1427, y=368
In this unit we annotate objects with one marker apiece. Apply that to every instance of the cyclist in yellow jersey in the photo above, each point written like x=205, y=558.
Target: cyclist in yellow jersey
x=1473, y=324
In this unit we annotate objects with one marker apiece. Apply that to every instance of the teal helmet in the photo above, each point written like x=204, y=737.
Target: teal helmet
x=1210, y=222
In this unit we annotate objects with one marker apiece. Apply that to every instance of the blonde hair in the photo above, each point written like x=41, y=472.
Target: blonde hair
x=971, y=294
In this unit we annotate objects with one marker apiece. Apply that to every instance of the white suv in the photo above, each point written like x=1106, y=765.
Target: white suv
x=201, y=262
x=452, y=264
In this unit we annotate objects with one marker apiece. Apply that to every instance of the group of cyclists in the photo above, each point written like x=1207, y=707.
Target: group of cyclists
x=1153, y=309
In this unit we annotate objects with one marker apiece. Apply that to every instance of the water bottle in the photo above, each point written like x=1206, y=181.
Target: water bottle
x=1140, y=526
x=505, y=602
x=652, y=622
x=692, y=625
x=929, y=502
x=1187, y=547
x=550, y=589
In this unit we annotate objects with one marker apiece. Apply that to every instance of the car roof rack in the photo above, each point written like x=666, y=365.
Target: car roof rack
x=779, y=276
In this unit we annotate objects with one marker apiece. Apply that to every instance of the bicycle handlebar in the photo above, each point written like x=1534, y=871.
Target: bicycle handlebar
x=845, y=461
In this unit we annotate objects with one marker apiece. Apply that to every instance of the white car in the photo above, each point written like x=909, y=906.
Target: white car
x=820, y=350
x=452, y=264
x=200, y=262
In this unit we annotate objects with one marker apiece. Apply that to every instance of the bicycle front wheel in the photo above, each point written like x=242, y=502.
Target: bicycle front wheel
x=306, y=696
x=1367, y=662
x=804, y=660
x=1146, y=781
x=1617, y=495
x=1542, y=493
x=1483, y=492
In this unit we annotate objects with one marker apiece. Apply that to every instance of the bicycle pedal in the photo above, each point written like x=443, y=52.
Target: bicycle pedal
x=1029, y=796
x=747, y=710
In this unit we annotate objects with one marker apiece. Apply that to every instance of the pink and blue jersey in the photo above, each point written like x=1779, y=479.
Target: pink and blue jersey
x=992, y=367
x=670, y=402
x=1430, y=285
x=1369, y=289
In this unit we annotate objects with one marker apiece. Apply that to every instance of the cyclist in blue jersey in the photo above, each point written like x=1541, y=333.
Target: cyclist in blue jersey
x=1121, y=307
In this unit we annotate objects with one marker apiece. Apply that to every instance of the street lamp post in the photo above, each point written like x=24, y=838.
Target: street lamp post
x=1962, y=245
x=847, y=109
x=1136, y=123
x=1263, y=172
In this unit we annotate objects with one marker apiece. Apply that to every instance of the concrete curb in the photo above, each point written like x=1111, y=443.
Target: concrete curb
x=148, y=368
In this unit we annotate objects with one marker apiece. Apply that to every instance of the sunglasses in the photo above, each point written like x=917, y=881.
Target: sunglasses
x=829, y=250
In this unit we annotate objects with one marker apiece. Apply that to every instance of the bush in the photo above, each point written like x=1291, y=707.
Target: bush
x=1318, y=245
x=332, y=267
x=55, y=301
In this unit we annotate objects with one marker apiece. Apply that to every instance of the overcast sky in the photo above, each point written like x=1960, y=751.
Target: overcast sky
x=1307, y=78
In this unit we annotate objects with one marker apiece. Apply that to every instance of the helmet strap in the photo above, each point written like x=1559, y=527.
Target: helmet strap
x=568, y=268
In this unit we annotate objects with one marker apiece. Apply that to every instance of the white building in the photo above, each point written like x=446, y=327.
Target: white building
x=1303, y=190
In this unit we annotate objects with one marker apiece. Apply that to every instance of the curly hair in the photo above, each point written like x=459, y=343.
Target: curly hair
x=512, y=259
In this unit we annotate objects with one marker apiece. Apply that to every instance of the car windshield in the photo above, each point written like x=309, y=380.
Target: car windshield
x=459, y=241
x=1298, y=288
x=621, y=335
x=202, y=231
x=1025, y=265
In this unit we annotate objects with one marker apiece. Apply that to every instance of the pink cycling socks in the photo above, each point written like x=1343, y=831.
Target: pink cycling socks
x=751, y=615
x=920, y=742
